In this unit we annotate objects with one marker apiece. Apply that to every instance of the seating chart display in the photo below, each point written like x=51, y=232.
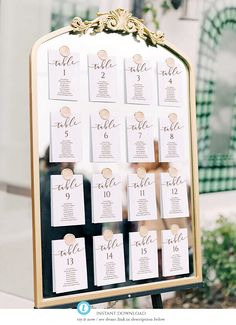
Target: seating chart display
x=114, y=166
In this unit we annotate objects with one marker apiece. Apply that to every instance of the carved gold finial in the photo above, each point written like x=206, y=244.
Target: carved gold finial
x=118, y=20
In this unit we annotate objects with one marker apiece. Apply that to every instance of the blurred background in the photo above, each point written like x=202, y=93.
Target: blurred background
x=206, y=32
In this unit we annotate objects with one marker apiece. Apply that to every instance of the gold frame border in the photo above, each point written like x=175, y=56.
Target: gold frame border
x=41, y=302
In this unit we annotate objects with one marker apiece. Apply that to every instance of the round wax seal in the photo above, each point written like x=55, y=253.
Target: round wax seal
x=141, y=172
x=170, y=62
x=102, y=54
x=173, y=117
x=69, y=239
x=137, y=58
x=174, y=229
x=104, y=114
x=108, y=234
x=67, y=173
x=143, y=230
x=107, y=173
x=64, y=50
x=139, y=116
x=173, y=171
x=65, y=111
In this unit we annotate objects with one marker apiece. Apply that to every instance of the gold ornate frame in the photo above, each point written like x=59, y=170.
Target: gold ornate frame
x=123, y=22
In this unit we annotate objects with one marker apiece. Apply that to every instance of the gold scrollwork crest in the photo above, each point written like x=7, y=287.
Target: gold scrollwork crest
x=118, y=20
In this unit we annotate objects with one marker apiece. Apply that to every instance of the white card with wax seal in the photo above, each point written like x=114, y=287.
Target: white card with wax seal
x=106, y=198
x=170, y=79
x=140, y=138
x=64, y=74
x=109, y=263
x=175, y=255
x=102, y=78
x=172, y=138
x=65, y=142
x=67, y=201
x=69, y=266
x=138, y=77
x=142, y=197
x=173, y=196
x=106, y=134
x=143, y=255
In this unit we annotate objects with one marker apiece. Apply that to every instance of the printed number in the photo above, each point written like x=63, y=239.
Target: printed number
x=174, y=190
x=170, y=81
x=109, y=255
x=143, y=251
x=138, y=77
x=66, y=133
x=175, y=248
x=105, y=135
x=64, y=72
x=171, y=136
x=107, y=194
x=67, y=196
x=139, y=135
x=103, y=75
x=70, y=261
x=142, y=193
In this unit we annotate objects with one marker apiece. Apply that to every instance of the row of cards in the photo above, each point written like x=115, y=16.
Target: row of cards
x=70, y=268
x=67, y=197
x=64, y=78
x=105, y=128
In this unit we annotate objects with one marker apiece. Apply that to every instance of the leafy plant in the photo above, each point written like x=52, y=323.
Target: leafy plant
x=166, y=5
x=219, y=259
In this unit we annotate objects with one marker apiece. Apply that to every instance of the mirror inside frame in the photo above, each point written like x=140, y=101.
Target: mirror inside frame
x=162, y=101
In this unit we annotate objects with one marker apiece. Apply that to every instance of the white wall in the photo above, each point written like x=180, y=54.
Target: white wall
x=21, y=24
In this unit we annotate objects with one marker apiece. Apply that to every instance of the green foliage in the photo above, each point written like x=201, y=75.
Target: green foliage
x=150, y=6
x=219, y=260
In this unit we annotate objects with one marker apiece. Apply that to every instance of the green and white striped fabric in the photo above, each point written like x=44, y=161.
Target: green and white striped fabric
x=216, y=172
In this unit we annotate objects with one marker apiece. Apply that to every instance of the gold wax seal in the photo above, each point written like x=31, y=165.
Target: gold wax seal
x=141, y=172
x=64, y=50
x=174, y=229
x=104, y=114
x=137, y=58
x=173, y=171
x=173, y=117
x=65, y=111
x=67, y=173
x=107, y=173
x=170, y=62
x=108, y=234
x=143, y=230
x=139, y=116
x=102, y=54
x=69, y=239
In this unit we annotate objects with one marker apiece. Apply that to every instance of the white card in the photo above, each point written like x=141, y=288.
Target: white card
x=109, y=264
x=169, y=84
x=138, y=78
x=143, y=255
x=106, y=136
x=142, y=197
x=175, y=257
x=140, y=139
x=106, y=198
x=67, y=201
x=172, y=136
x=102, y=79
x=174, y=197
x=63, y=75
x=65, y=144
x=69, y=266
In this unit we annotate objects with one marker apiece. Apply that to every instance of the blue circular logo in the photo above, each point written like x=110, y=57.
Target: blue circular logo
x=83, y=308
